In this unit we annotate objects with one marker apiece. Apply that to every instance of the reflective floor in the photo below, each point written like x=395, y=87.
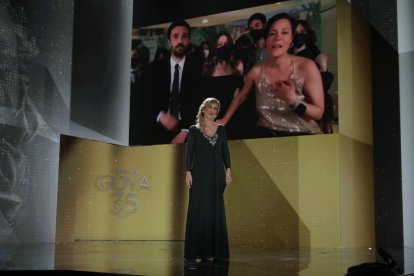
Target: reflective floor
x=166, y=258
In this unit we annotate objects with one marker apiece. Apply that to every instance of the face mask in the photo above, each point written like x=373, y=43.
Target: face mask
x=299, y=40
x=256, y=34
x=205, y=53
x=224, y=52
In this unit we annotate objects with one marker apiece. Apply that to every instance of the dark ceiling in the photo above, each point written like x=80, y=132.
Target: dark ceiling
x=152, y=12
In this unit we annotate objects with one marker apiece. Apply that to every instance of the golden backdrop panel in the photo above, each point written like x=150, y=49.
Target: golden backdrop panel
x=357, y=193
x=355, y=127
x=285, y=192
x=354, y=73
x=262, y=201
x=66, y=203
x=124, y=193
x=319, y=190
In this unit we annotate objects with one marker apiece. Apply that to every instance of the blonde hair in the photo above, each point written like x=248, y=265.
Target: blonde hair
x=200, y=124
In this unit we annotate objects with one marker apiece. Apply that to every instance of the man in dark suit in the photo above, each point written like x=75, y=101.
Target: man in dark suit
x=172, y=100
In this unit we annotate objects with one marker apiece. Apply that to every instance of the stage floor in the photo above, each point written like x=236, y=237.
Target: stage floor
x=166, y=258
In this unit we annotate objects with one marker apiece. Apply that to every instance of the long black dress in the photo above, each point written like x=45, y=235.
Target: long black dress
x=206, y=229
x=243, y=122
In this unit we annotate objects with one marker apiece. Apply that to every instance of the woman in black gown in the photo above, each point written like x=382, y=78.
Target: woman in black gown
x=222, y=79
x=207, y=175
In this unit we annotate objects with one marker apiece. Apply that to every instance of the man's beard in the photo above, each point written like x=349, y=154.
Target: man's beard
x=179, y=50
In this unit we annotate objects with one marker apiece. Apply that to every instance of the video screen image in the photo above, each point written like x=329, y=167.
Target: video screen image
x=271, y=67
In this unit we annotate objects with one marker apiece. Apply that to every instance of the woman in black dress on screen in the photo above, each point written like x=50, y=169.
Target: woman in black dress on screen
x=222, y=79
x=207, y=175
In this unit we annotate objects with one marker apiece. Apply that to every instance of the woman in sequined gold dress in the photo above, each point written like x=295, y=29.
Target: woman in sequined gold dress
x=208, y=173
x=289, y=92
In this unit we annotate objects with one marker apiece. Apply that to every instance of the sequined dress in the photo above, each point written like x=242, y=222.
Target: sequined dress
x=206, y=228
x=276, y=114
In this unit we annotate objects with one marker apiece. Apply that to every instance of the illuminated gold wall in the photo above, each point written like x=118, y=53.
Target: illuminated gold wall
x=355, y=128
x=285, y=192
x=308, y=192
x=120, y=193
x=138, y=193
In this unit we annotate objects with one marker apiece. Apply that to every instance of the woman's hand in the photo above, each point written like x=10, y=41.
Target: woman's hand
x=285, y=90
x=228, y=176
x=221, y=122
x=188, y=179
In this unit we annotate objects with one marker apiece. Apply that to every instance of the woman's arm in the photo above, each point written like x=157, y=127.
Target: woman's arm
x=240, y=68
x=313, y=91
x=323, y=61
x=226, y=156
x=189, y=157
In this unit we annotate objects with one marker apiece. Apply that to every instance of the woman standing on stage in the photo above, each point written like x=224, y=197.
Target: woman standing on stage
x=207, y=175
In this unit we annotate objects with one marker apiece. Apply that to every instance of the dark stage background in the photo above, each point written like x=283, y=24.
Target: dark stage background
x=57, y=80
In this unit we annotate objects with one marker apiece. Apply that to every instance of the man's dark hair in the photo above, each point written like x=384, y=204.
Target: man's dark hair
x=179, y=23
x=258, y=16
x=143, y=54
